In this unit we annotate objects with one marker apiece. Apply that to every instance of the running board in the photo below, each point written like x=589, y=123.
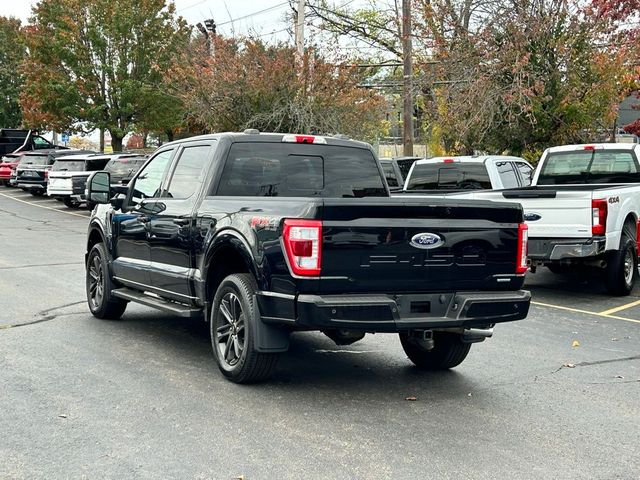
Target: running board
x=177, y=309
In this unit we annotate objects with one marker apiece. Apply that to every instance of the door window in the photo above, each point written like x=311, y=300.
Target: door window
x=40, y=143
x=527, y=173
x=389, y=174
x=189, y=173
x=507, y=175
x=149, y=183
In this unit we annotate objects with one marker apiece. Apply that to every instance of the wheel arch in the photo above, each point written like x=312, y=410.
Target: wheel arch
x=228, y=253
x=95, y=236
x=630, y=224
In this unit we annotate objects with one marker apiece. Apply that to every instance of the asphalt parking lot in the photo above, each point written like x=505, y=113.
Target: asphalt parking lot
x=554, y=396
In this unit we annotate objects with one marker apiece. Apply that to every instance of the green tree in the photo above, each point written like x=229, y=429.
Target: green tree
x=12, y=53
x=100, y=63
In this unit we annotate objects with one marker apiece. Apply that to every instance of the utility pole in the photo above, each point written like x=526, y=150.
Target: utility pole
x=407, y=121
x=300, y=36
x=211, y=39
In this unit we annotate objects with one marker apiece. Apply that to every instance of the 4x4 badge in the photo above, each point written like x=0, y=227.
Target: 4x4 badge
x=426, y=240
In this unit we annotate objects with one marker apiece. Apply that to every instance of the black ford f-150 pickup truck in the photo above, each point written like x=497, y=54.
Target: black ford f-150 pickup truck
x=266, y=234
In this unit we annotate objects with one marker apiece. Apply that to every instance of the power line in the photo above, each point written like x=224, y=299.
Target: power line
x=259, y=12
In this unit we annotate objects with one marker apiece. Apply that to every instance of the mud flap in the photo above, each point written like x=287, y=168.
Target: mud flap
x=269, y=338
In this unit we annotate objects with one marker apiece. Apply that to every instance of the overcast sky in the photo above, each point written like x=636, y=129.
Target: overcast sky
x=195, y=11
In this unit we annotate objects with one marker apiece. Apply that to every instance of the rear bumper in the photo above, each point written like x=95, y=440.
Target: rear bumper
x=58, y=192
x=32, y=185
x=542, y=249
x=393, y=313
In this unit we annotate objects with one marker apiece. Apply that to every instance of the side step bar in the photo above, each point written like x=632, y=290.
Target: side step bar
x=177, y=309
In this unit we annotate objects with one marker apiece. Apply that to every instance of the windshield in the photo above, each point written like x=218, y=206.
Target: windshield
x=589, y=166
x=449, y=176
x=290, y=170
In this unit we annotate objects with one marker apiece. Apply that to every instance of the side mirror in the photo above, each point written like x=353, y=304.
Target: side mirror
x=99, y=187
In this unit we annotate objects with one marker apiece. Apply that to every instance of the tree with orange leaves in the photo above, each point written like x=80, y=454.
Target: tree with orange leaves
x=248, y=84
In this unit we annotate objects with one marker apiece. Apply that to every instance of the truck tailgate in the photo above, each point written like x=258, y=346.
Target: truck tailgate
x=549, y=212
x=553, y=213
x=471, y=245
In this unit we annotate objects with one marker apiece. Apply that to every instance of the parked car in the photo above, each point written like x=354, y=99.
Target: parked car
x=8, y=166
x=33, y=170
x=489, y=172
x=68, y=176
x=396, y=170
x=123, y=168
x=266, y=234
x=13, y=140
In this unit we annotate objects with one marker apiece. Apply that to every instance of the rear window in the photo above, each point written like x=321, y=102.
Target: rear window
x=33, y=160
x=449, y=176
x=124, y=165
x=68, y=166
x=296, y=170
x=589, y=166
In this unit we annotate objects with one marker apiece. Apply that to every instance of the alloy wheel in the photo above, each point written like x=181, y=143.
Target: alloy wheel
x=230, y=331
x=96, y=282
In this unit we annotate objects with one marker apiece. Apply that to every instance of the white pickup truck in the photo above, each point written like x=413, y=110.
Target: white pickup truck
x=448, y=175
x=582, y=210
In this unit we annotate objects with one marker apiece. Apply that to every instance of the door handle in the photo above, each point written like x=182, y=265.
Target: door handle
x=183, y=222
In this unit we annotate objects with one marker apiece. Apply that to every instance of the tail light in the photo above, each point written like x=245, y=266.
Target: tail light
x=598, y=217
x=523, y=248
x=303, y=246
x=46, y=174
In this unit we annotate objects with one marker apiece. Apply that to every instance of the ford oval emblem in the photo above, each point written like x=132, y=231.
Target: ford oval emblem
x=532, y=217
x=426, y=240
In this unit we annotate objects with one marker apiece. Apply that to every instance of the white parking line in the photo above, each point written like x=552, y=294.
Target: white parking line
x=42, y=206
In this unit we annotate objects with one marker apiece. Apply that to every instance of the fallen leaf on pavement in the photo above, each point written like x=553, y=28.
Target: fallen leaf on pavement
x=618, y=376
x=411, y=399
x=575, y=343
x=569, y=365
x=63, y=415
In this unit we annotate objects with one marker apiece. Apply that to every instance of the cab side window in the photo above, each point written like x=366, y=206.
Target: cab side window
x=526, y=172
x=149, y=183
x=390, y=174
x=507, y=174
x=189, y=172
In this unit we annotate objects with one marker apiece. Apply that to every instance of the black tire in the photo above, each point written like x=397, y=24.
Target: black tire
x=99, y=286
x=91, y=205
x=233, y=332
x=36, y=193
x=448, y=351
x=622, y=268
x=68, y=202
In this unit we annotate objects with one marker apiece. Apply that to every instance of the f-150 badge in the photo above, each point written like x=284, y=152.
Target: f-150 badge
x=426, y=240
